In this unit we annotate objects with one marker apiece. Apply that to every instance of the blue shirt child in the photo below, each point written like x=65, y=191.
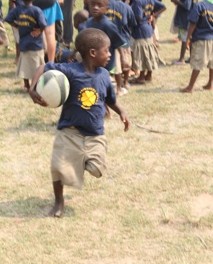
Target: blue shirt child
x=85, y=106
x=27, y=18
x=123, y=17
x=112, y=32
x=143, y=9
x=182, y=14
x=202, y=16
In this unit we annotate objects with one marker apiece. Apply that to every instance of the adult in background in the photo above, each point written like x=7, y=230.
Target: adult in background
x=67, y=9
x=52, y=12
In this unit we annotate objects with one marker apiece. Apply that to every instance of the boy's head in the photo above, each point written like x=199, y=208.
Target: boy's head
x=80, y=17
x=97, y=8
x=93, y=44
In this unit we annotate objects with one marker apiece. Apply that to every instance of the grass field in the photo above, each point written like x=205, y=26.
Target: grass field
x=155, y=203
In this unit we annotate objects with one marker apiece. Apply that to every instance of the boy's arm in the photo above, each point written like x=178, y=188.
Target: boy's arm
x=37, y=99
x=191, y=29
x=116, y=108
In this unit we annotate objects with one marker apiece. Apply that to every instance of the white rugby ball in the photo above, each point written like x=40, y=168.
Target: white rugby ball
x=53, y=86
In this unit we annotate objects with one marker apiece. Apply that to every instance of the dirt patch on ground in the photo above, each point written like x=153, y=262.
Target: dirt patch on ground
x=202, y=205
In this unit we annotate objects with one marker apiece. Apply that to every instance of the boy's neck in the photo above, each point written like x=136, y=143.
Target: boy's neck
x=89, y=66
x=98, y=18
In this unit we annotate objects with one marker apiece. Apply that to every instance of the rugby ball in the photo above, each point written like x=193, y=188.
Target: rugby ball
x=53, y=86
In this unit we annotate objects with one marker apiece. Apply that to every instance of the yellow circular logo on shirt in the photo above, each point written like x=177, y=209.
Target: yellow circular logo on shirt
x=88, y=97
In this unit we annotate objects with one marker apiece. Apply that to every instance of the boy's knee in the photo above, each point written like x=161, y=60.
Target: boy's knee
x=93, y=170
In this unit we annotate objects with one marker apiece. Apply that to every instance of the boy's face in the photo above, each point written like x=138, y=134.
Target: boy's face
x=102, y=55
x=98, y=8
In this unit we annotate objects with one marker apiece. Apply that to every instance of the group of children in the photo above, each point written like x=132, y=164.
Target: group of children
x=114, y=37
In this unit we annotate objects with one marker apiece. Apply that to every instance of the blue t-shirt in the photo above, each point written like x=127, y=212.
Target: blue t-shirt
x=123, y=17
x=112, y=32
x=28, y=18
x=202, y=16
x=85, y=106
x=143, y=9
x=182, y=14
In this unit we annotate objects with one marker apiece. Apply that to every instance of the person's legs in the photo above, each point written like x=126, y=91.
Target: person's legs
x=51, y=42
x=182, y=51
x=148, y=76
x=209, y=85
x=58, y=208
x=118, y=80
x=190, y=86
x=26, y=84
x=67, y=8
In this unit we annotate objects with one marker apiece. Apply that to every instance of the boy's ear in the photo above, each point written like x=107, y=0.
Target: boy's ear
x=92, y=53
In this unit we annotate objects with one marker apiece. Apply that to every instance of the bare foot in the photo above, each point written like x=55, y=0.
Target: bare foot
x=186, y=90
x=57, y=210
x=148, y=78
x=208, y=87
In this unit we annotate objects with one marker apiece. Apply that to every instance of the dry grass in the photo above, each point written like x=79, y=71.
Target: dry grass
x=155, y=203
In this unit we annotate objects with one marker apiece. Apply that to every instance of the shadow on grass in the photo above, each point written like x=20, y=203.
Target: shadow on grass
x=33, y=125
x=31, y=207
x=158, y=90
x=13, y=91
x=8, y=74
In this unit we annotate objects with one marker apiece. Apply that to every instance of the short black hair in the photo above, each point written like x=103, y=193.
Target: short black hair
x=90, y=38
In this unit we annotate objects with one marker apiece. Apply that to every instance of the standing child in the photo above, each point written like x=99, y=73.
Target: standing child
x=80, y=143
x=181, y=23
x=145, y=56
x=201, y=34
x=30, y=22
x=98, y=9
x=3, y=33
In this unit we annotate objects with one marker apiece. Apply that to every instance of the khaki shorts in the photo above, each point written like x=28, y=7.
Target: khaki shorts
x=74, y=153
x=202, y=54
x=182, y=34
x=28, y=63
x=118, y=69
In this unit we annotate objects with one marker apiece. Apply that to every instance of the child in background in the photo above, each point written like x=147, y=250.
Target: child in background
x=123, y=17
x=80, y=19
x=30, y=22
x=181, y=22
x=3, y=34
x=145, y=56
x=80, y=143
x=200, y=32
x=98, y=9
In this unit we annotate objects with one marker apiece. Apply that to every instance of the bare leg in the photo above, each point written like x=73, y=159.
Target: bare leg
x=51, y=42
x=58, y=208
x=118, y=79
x=192, y=81
x=182, y=51
x=26, y=84
x=209, y=85
x=148, y=76
x=141, y=78
x=126, y=79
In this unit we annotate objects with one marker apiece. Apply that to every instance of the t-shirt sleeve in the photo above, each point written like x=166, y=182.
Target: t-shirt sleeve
x=63, y=67
x=115, y=37
x=158, y=6
x=11, y=16
x=41, y=20
x=194, y=14
x=186, y=4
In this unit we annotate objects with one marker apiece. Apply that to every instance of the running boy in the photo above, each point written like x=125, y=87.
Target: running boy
x=30, y=22
x=201, y=31
x=80, y=143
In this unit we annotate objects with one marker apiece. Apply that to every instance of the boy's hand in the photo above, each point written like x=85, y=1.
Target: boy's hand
x=125, y=120
x=36, y=32
x=37, y=99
